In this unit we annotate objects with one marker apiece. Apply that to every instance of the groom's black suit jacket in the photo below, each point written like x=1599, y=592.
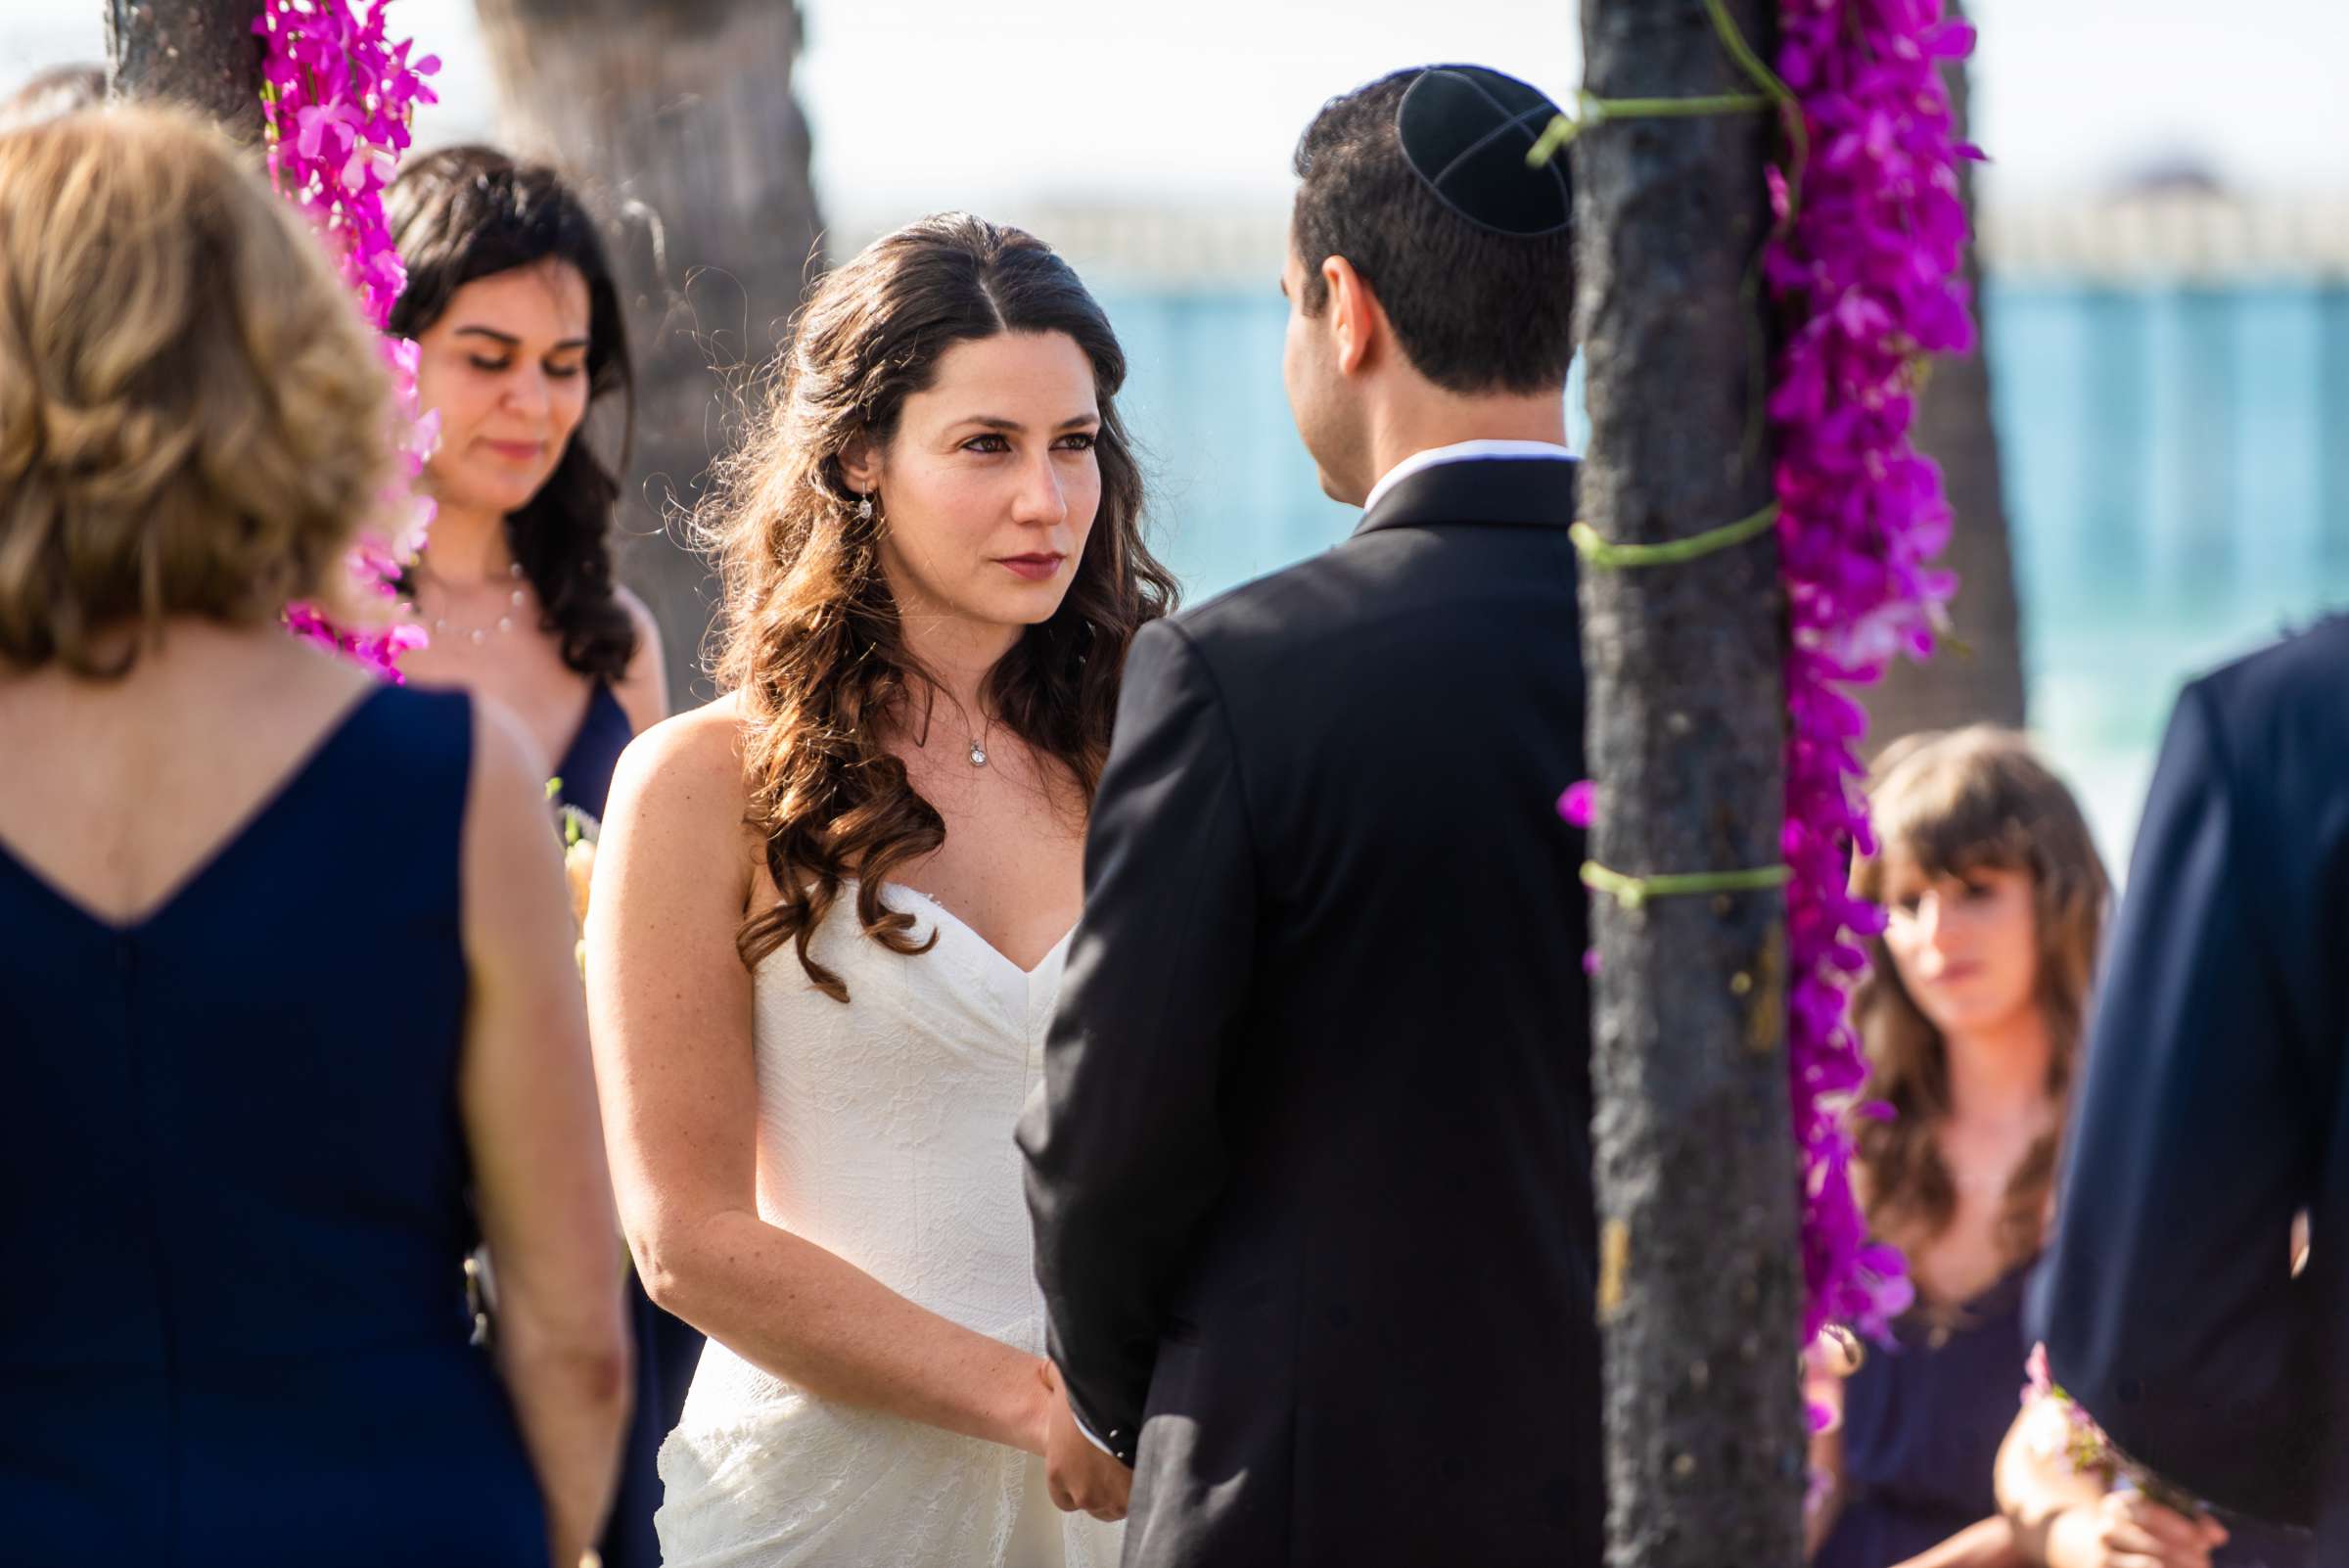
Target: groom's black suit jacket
x=2215, y=1106
x=1311, y=1178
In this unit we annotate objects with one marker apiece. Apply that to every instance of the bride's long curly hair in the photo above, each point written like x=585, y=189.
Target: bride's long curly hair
x=810, y=641
x=1956, y=803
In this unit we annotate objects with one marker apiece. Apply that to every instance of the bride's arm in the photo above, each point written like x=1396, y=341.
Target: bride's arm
x=670, y=1007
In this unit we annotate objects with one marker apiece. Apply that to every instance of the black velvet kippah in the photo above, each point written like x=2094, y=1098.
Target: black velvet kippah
x=1465, y=132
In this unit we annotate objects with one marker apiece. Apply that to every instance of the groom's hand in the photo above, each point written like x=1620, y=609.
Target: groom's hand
x=1082, y=1476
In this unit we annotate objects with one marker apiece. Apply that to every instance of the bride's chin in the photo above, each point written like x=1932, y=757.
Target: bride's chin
x=1019, y=617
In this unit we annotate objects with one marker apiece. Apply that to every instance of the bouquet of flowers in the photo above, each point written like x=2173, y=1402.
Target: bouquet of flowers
x=579, y=832
x=2071, y=1431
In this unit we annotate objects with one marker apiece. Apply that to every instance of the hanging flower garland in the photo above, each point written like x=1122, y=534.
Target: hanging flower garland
x=337, y=95
x=1865, y=271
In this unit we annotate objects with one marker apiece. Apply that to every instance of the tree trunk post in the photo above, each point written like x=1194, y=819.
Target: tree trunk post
x=201, y=54
x=681, y=114
x=1700, y=1290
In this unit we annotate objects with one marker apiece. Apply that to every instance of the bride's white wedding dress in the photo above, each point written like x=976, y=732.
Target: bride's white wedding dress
x=885, y=1135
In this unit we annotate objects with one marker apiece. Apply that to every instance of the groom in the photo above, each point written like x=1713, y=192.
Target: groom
x=1310, y=1178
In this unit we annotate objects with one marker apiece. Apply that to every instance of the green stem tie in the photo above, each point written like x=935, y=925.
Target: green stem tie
x=1675, y=552
x=1592, y=111
x=1743, y=53
x=1775, y=88
x=1632, y=892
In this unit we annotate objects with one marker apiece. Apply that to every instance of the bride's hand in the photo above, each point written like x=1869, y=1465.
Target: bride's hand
x=1082, y=1475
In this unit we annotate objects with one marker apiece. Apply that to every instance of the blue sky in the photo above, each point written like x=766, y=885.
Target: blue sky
x=917, y=102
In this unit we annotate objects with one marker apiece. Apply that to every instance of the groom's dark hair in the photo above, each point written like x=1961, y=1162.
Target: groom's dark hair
x=1475, y=310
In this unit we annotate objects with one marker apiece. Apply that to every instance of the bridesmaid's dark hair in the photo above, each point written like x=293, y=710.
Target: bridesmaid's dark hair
x=468, y=212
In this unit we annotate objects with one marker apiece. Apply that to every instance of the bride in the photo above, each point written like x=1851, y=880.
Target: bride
x=830, y=909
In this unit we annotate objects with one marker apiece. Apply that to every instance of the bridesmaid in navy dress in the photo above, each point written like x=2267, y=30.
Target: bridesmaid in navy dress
x=512, y=303
x=1971, y=1019
x=518, y=320
x=287, y=993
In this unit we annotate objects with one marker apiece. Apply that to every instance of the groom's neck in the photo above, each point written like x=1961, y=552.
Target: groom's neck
x=1416, y=419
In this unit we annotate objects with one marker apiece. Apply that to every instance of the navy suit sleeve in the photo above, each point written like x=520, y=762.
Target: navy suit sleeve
x=1126, y=1151
x=2165, y=1301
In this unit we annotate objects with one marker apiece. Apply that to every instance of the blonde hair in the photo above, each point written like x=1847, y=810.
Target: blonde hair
x=193, y=418
x=1957, y=801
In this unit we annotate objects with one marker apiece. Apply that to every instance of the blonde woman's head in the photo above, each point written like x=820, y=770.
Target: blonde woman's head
x=193, y=418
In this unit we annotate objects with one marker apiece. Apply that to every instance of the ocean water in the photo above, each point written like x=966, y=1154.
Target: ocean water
x=2179, y=497
x=2175, y=489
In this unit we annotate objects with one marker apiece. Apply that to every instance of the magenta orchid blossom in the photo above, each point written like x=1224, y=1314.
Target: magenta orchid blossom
x=338, y=98
x=1866, y=270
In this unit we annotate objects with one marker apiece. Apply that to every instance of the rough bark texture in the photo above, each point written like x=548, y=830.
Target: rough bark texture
x=1696, y=1161
x=681, y=115
x=199, y=53
x=1977, y=675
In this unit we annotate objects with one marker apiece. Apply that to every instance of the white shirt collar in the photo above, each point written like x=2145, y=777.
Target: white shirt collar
x=1459, y=452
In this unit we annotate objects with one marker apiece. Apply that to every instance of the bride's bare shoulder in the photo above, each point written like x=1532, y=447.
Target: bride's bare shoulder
x=690, y=762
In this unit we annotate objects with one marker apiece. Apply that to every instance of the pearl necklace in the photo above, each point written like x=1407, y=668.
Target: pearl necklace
x=477, y=635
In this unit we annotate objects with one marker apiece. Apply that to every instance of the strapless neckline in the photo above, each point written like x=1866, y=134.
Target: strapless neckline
x=948, y=919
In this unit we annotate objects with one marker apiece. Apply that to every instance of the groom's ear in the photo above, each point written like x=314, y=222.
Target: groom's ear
x=1356, y=322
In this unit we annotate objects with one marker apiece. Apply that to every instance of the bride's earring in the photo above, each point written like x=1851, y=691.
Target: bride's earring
x=864, y=508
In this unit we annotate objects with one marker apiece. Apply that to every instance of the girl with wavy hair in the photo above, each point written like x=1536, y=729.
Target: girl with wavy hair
x=288, y=996
x=1972, y=1016
x=832, y=906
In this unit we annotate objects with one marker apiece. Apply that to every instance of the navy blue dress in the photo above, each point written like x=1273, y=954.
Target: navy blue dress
x=1923, y=1421
x=585, y=768
x=668, y=1349
x=1921, y=1428
x=235, y=1186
